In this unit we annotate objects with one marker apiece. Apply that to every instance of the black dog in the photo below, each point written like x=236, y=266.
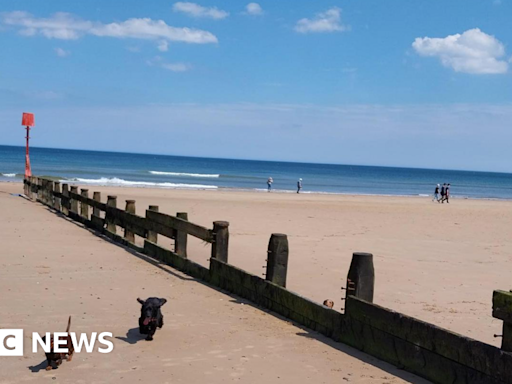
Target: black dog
x=151, y=316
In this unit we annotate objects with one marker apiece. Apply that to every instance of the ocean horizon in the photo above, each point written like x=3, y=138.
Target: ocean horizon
x=123, y=169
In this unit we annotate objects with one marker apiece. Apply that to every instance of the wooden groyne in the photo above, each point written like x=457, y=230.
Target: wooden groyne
x=436, y=354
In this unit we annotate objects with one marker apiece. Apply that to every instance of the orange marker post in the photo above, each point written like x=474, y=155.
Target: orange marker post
x=27, y=121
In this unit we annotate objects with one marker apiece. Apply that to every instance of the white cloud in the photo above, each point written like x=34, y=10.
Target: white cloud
x=174, y=67
x=163, y=46
x=61, y=52
x=328, y=21
x=196, y=10
x=472, y=52
x=65, y=26
x=254, y=9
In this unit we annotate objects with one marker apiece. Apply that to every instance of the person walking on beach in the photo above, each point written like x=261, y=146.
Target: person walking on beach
x=436, y=193
x=443, y=191
x=269, y=183
x=447, y=194
x=299, y=185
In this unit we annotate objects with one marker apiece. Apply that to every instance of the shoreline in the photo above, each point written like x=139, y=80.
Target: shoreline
x=264, y=191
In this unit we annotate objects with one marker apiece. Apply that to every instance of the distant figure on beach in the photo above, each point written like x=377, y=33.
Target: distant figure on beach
x=436, y=193
x=299, y=185
x=443, y=191
x=269, y=183
x=446, y=195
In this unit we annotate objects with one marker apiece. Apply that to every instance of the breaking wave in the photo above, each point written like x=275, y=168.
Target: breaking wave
x=8, y=174
x=114, y=181
x=184, y=174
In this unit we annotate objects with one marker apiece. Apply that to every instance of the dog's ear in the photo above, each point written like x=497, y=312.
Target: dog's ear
x=162, y=301
x=140, y=301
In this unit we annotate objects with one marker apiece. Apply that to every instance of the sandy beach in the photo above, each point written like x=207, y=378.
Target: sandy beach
x=52, y=268
x=437, y=262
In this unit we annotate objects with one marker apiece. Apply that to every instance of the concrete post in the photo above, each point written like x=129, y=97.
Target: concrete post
x=361, y=276
x=277, y=261
x=220, y=240
x=152, y=236
x=130, y=208
x=65, y=200
x=112, y=203
x=84, y=207
x=73, y=202
x=180, y=242
x=96, y=196
x=56, y=200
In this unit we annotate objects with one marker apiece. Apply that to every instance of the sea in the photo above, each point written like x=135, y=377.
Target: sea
x=179, y=172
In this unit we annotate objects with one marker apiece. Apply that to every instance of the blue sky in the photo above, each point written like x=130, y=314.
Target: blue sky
x=403, y=83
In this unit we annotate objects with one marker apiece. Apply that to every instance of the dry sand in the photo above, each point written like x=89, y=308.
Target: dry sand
x=437, y=262
x=52, y=268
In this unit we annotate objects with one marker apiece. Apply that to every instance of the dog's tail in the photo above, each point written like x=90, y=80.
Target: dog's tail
x=69, y=324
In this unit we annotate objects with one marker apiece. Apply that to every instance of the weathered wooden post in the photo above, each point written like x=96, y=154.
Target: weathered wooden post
x=73, y=201
x=28, y=190
x=33, y=188
x=56, y=200
x=152, y=236
x=65, y=199
x=96, y=196
x=180, y=242
x=44, y=191
x=361, y=276
x=502, y=309
x=111, y=203
x=40, y=190
x=46, y=197
x=49, y=193
x=130, y=208
x=277, y=260
x=84, y=207
x=220, y=240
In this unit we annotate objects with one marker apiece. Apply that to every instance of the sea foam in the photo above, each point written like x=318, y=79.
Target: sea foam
x=126, y=183
x=184, y=174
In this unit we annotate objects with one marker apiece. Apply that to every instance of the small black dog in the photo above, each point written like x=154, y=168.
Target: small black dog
x=151, y=316
x=56, y=358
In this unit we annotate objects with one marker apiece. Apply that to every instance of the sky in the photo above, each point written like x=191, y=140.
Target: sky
x=391, y=83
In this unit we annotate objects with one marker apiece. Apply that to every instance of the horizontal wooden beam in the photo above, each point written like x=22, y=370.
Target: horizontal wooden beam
x=87, y=200
x=165, y=225
x=175, y=223
x=124, y=219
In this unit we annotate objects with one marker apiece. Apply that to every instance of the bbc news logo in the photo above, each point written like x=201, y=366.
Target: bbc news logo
x=11, y=342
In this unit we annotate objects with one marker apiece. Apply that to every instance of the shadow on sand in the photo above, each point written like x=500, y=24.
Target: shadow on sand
x=132, y=336
x=41, y=366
